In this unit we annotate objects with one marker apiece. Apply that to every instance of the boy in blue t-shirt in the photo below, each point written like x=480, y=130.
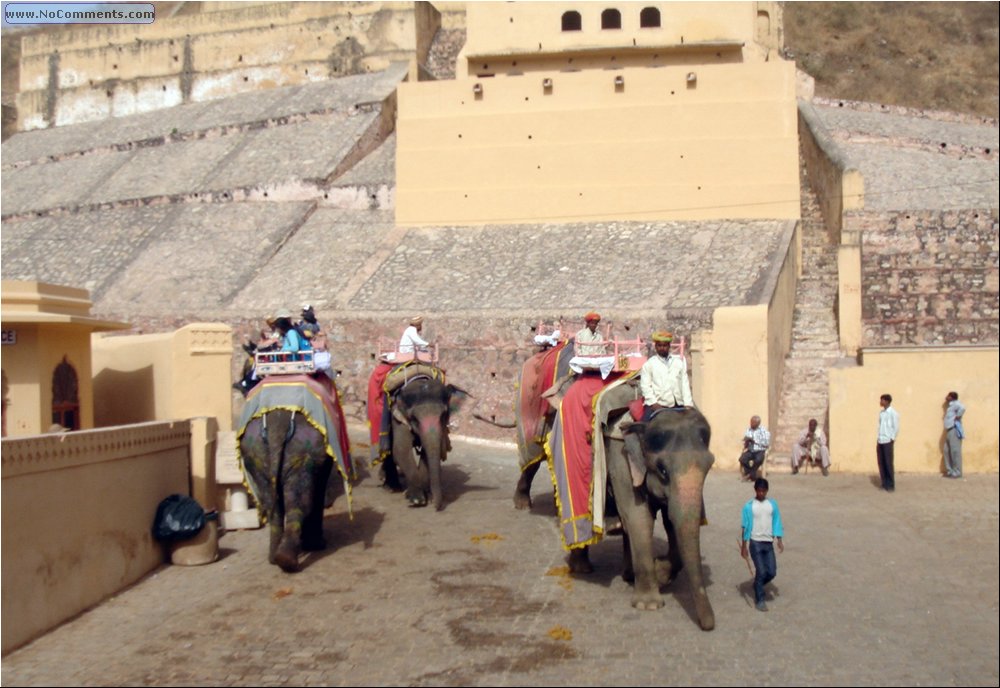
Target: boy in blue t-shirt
x=761, y=527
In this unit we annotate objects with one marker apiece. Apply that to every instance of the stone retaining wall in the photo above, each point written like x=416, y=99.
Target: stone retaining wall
x=929, y=277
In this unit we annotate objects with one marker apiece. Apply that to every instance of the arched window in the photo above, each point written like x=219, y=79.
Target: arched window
x=65, y=396
x=571, y=21
x=611, y=19
x=649, y=18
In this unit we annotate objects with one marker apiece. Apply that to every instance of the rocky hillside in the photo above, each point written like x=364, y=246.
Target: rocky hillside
x=928, y=55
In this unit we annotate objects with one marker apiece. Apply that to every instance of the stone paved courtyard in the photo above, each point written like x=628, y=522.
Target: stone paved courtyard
x=872, y=589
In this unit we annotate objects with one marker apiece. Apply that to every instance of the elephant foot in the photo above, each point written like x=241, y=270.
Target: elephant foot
x=522, y=500
x=416, y=499
x=666, y=572
x=287, y=557
x=579, y=561
x=647, y=602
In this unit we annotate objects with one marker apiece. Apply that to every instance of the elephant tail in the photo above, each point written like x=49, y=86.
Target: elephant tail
x=276, y=443
x=510, y=424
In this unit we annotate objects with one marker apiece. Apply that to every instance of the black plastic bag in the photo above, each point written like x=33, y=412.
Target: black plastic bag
x=178, y=517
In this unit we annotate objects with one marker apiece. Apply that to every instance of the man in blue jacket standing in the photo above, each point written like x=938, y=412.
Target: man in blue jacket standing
x=761, y=521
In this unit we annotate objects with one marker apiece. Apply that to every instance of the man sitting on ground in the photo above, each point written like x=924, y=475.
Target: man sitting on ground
x=811, y=446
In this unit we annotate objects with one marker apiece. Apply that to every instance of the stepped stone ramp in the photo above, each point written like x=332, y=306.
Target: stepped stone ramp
x=319, y=262
x=639, y=266
x=915, y=161
x=239, y=112
x=198, y=258
x=89, y=250
x=815, y=339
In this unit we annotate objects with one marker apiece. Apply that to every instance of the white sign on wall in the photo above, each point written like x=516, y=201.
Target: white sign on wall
x=8, y=337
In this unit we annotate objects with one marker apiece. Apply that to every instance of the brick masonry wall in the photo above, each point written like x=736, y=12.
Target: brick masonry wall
x=481, y=355
x=930, y=277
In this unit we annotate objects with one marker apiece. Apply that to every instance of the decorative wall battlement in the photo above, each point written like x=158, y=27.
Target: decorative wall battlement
x=41, y=453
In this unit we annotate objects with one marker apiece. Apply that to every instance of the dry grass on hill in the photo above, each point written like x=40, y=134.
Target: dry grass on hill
x=928, y=55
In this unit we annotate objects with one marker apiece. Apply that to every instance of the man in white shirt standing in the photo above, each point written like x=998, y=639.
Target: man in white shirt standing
x=663, y=379
x=888, y=428
x=756, y=441
x=411, y=341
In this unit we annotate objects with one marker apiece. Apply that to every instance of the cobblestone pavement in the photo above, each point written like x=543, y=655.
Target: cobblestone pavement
x=872, y=589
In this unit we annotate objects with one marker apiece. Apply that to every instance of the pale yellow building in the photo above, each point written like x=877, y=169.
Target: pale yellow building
x=46, y=357
x=578, y=112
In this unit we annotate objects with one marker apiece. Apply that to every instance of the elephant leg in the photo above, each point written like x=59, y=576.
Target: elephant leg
x=402, y=454
x=301, y=497
x=579, y=560
x=390, y=476
x=312, y=523
x=522, y=492
x=276, y=529
x=638, y=522
x=628, y=571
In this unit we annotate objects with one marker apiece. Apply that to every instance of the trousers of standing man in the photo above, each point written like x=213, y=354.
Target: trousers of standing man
x=886, y=470
x=953, y=452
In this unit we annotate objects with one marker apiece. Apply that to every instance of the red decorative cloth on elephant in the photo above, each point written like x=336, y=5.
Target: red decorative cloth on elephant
x=537, y=375
x=317, y=400
x=579, y=484
x=384, y=380
x=378, y=430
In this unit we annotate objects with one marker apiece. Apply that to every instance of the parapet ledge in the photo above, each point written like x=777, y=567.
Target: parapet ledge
x=42, y=453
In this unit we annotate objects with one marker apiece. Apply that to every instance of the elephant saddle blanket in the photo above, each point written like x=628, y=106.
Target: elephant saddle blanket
x=537, y=375
x=316, y=399
x=384, y=380
x=579, y=481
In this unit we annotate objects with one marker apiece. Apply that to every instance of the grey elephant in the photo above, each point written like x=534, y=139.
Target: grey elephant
x=533, y=415
x=289, y=455
x=292, y=436
x=421, y=409
x=656, y=466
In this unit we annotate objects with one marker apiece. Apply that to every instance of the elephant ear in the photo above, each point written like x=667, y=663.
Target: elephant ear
x=456, y=397
x=633, y=452
x=398, y=414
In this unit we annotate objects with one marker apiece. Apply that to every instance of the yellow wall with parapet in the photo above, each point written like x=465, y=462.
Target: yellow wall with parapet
x=918, y=380
x=737, y=366
x=182, y=374
x=77, y=514
x=657, y=147
x=513, y=37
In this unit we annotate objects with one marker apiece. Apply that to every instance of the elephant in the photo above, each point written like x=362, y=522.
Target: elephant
x=288, y=469
x=661, y=465
x=421, y=409
x=533, y=416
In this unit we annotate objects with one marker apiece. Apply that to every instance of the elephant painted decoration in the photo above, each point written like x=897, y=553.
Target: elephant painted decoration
x=420, y=404
x=291, y=436
x=661, y=465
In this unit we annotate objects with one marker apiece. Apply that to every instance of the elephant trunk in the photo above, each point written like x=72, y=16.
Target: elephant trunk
x=685, y=510
x=432, y=440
